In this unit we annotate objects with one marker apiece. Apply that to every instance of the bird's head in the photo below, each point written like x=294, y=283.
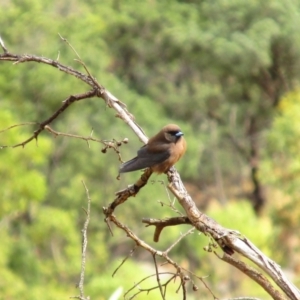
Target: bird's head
x=172, y=133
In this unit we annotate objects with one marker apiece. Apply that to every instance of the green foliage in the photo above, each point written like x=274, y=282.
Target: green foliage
x=281, y=171
x=217, y=60
x=282, y=152
x=21, y=175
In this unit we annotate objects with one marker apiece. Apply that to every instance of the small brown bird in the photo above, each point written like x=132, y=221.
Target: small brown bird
x=160, y=153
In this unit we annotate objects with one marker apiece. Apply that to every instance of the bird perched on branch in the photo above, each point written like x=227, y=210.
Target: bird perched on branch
x=160, y=153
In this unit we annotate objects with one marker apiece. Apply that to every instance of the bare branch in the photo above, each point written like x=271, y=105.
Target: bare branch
x=98, y=90
x=158, y=278
x=228, y=240
x=195, y=288
x=84, y=247
x=124, y=260
x=148, y=290
x=256, y=276
x=113, y=144
x=161, y=224
x=65, y=105
x=16, y=125
x=190, y=231
x=146, y=246
x=130, y=191
x=66, y=41
x=3, y=46
x=79, y=60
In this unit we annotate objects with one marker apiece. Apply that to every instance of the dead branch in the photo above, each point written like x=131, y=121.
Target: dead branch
x=113, y=144
x=161, y=224
x=84, y=247
x=256, y=276
x=110, y=100
x=65, y=105
x=155, y=253
x=130, y=191
x=227, y=239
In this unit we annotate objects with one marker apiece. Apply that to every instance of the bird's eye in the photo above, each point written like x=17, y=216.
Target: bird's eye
x=173, y=135
x=173, y=132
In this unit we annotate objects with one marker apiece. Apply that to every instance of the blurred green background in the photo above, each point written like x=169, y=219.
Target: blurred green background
x=227, y=72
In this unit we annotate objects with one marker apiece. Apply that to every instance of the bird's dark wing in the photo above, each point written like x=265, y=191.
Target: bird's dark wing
x=144, y=159
x=153, y=157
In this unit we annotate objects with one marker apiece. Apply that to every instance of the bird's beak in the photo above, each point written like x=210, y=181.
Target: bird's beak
x=179, y=134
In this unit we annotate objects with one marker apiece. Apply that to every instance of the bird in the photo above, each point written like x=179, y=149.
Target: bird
x=160, y=153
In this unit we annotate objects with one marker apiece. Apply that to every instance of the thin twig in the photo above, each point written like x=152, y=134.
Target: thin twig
x=148, y=290
x=190, y=231
x=3, y=45
x=84, y=247
x=124, y=260
x=66, y=103
x=202, y=280
x=157, y=276
x=79, y=60
x=67, y=42
x=16, y=125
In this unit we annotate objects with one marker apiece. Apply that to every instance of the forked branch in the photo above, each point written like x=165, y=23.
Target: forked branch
x=228, y=240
